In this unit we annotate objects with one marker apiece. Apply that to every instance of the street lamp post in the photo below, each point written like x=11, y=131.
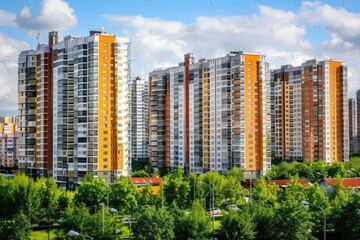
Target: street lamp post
x=323, y=211
x=113, y=210
x=73, y=233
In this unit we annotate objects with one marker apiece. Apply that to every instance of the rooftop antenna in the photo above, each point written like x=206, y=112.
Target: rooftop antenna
x=38, y=38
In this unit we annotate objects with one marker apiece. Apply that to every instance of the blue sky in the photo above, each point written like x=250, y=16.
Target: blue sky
x=287, y=31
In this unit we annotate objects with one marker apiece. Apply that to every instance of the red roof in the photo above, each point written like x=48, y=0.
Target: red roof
x=346, y=182
x=148, y=180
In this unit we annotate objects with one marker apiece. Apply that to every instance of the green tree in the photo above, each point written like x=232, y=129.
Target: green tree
x=216, y=182
x=193, y=182
x=145, y=196
x=337, y=169
x=7, y=199
x=123, y=195
x=49, y=194
x=79, y=219
x=282, y=171
x=20, y=227
x=233, y=189
x=236, y=226
x=91, y=193
x=291, y=221
x=177, y=189
x=348, y=219
x=295, y=191
x=26, y=196
x=140, y=173
x=236, y=173
x=89, y=177
x=195, y=224
x=265, y=194
x=317, y=196
x=262, y=217
x=153, y=224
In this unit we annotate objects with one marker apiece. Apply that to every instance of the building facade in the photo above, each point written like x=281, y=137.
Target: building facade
x=309, y=112
x=81, y=107
x=353, y=131
x=211, y=115
x=9, y=139
x=139, y=92
x=35, y=109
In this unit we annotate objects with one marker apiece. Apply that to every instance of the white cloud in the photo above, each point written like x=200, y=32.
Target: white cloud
x=281, y=35
x=160, y=41
x=7, y=19
x=9, y=49
x=54, y=15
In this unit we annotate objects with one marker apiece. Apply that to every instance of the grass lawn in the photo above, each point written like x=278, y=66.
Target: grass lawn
x=40, y=235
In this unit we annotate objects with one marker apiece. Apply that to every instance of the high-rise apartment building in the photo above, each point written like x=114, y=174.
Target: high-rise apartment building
x=309, y=112
x=35, y=109
x=211, y=115
x=82, y=106
x=139, y=118
x=353, y=131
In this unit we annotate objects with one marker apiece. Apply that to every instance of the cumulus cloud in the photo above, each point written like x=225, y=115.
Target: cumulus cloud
x=53, y=15
x=160, y=41
x=7, y=19
x=281, y=35
x=9, y=49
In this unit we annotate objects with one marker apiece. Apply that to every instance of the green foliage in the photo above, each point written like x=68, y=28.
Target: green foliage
x=79, y=219
x=265, y=194
x=123, y=195
x=317, y=196
x=49, y=194
x=19, y=229
x=294, y=192
x=91, y=193
x=291, y=221
x=348, y=219
x=353, y=163
x=26, y=195
x=262, y=217
x=153, y=224
x=236, y=173
x=137, y=165
x=89, y=177
x=195, y=224
x=216, y=181
x=177, y=189
x=337, y=169
x=6, y=200
x=145, y=196
x=237, y=225
x=140, y=173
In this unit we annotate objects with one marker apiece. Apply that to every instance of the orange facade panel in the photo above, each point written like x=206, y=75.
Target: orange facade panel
x=107, y=127
x=253, y=116
x=335, y=104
